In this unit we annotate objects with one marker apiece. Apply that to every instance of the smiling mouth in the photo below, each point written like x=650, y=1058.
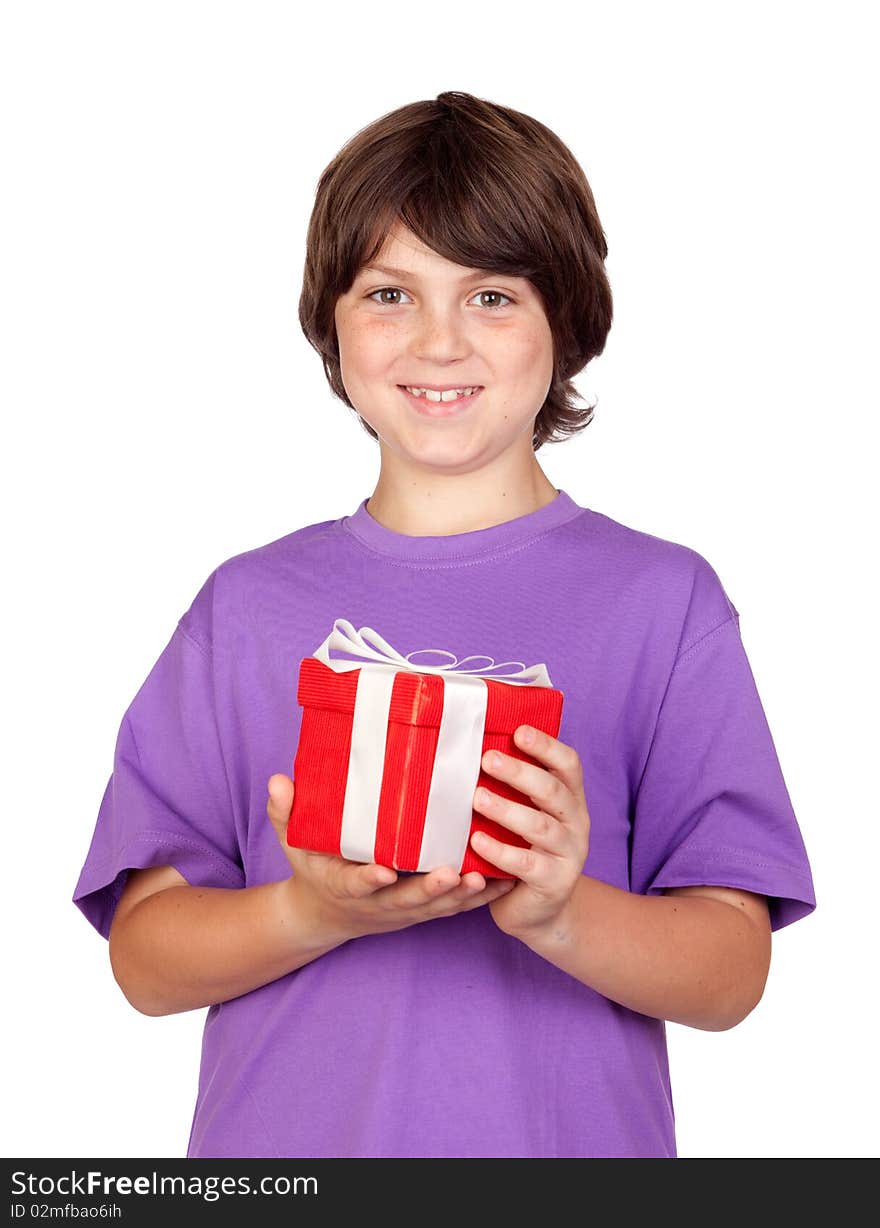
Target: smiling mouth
x=441, y=408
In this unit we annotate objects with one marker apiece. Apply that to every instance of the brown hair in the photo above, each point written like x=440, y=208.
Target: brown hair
x=486, y=187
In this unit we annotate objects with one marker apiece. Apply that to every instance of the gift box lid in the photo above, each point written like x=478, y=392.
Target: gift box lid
x=417, y=699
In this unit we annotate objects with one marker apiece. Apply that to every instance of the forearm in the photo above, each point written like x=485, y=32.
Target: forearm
x=187, y=947
x=692, y=960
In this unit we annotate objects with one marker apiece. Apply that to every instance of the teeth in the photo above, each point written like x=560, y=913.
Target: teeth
x=451, y=394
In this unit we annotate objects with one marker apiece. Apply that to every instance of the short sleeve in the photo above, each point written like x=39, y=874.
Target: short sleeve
x=712, y=807
x=167, y=801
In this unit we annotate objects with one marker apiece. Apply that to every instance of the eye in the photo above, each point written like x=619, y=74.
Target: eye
x=496, y=294
x=386, y=290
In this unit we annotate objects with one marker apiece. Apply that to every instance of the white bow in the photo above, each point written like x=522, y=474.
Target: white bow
x=344, y=638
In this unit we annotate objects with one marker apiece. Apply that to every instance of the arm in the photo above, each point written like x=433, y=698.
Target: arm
x=174, y=947
x=695, y=955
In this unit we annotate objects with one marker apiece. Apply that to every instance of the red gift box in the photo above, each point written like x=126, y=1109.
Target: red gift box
x=391, y=822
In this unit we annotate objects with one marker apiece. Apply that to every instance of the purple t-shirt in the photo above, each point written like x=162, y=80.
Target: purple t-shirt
x=451, y=1038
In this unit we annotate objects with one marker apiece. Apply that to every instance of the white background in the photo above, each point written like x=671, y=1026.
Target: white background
x=163, y=412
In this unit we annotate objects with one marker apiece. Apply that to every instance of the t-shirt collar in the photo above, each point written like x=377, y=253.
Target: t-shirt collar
x=472, y=545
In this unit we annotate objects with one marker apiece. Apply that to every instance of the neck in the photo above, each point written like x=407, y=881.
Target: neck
x=432, y=506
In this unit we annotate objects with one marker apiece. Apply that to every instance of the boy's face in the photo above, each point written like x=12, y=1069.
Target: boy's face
x=432, y=322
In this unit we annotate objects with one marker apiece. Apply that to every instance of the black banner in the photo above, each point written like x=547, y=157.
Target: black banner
x=196, y=1192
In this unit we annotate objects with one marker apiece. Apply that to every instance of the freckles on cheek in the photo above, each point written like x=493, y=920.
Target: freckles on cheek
x=372, y=343
x=518, y=366
x=536, y=352
x=521, y=345
x=534, y=342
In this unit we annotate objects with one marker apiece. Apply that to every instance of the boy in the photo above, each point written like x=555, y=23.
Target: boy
x=454, y=283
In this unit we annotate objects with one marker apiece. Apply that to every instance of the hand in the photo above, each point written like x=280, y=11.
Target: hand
x=354, y=898
x=558, y=832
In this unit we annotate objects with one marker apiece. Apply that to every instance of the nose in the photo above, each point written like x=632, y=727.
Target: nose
x=440, y=336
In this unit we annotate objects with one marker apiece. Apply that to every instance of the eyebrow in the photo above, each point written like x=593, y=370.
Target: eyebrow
x=403, y=274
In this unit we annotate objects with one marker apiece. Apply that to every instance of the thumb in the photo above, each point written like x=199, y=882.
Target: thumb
x=280, y=801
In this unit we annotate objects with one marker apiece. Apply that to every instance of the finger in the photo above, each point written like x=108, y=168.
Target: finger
x=543, y=830
x=471, y=884
x=495, y=888
x=415, y=890
x=548, y=790
x=530, y=865
x=559, y=760
x=467, y=896
x=434, y=884
x=363, y=880
x=280, y=800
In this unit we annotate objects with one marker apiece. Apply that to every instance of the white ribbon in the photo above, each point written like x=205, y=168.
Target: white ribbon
x=459, y=744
